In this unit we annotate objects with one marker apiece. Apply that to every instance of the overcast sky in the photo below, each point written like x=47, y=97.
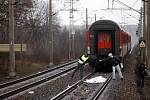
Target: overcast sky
x=98, y=7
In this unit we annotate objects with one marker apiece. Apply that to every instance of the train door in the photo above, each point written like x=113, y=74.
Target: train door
x=104, y=42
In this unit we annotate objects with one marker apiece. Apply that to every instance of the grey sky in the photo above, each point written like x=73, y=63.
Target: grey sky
x=98, y=7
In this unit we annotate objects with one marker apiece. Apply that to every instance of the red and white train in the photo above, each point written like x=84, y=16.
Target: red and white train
x=106, y=36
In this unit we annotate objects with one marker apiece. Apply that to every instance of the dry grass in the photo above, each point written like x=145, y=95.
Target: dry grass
x=24, y=68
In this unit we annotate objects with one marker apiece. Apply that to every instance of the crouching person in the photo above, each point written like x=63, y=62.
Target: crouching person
x=81, y=62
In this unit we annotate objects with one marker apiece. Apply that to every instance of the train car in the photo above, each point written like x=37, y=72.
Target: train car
x=106, y=36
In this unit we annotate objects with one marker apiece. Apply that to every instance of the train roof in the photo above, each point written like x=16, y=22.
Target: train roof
x=104, y=25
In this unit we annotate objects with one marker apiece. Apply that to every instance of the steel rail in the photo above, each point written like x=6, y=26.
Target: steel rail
x=101, y=89
x=9, y=83
x=70, y=89
x=28, y=86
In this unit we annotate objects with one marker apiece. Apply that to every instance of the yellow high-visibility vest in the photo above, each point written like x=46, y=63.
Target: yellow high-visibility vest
x=83, y=59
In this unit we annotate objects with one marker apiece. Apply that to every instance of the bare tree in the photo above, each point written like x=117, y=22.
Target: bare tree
x=31, y=28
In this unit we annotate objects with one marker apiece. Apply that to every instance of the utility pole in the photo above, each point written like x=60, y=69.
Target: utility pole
x=50, y=33
x=70, y=29
x=71, y=53
x=147, y=28
x=11, y=39
x=86, y=19
x=108, y=4
x=95, y=17
x=88, y=48
x=71, y=32
x=143, y=32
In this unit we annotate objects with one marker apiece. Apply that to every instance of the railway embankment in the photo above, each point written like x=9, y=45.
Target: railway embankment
x=128, y=89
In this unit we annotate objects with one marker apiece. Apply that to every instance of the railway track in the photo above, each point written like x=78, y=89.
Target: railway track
x=18, y=86
x=69, y=89
x=100, y=89
x=89, y=91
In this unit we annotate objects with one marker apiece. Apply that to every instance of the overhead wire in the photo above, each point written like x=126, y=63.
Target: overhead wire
x=65, y=7
x=58, y=4
x=127, y=6
x=135, y=3
x=122, y=11
x=62, y=9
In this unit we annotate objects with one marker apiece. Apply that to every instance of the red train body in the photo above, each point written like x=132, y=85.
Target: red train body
x=106, y=36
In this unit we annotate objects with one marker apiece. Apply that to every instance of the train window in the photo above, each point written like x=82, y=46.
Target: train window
x=104, y=36
x=100, y=39
x=108, y=38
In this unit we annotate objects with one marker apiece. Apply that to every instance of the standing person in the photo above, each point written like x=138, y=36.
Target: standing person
x=81, y=61
x=115, y=62
x=141, y=74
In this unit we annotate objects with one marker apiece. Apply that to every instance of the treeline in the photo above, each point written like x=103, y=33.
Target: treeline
x=31, y=28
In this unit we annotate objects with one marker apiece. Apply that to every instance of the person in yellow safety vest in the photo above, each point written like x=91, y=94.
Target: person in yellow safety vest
x=81, y=61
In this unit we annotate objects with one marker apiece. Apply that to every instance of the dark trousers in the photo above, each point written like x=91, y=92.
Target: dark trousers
x=93, y=64
x=140, y=81
x=79, y=67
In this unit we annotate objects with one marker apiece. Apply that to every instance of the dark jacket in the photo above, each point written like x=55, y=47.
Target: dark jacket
x=141, y=70
x=114, y=61
x=93, y=61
